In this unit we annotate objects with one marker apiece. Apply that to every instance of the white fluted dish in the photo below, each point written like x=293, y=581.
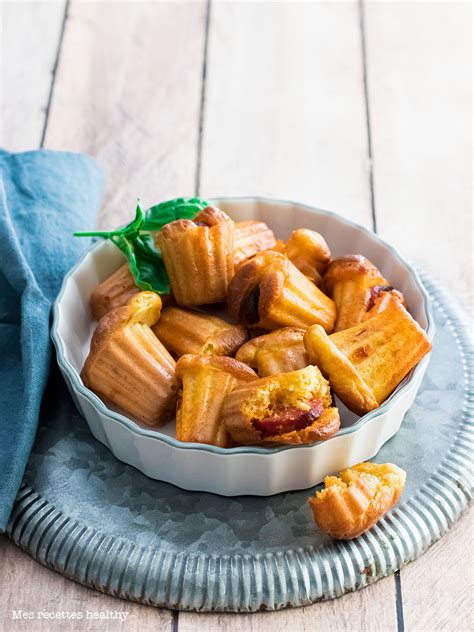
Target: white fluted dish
x=244, y=470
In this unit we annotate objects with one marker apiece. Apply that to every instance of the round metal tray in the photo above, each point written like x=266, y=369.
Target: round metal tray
x=102, y=523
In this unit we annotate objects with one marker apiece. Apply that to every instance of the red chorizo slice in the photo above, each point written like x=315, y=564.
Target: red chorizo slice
x=289, y=419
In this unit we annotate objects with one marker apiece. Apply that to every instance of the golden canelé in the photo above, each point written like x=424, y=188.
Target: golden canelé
x=355, y=500
x=127, y=364
x=185, y=331
x=270, y=292
x=206, y=380
x=250, y=237
x=353, y=282
x=309, y=252
x=365, y=363
x=199, y=256
x=280, y=351
x=114, y=292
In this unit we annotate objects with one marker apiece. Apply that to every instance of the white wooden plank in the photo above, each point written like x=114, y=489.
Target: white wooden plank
x=437, y=589
x=128, y=91
x=284, y=108
x=30, y=33
x=285, y=117
x=27, y=586
x=420, y=95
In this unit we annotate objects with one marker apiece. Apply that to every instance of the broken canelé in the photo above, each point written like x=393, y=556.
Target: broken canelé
x=270, y=292
x=250, y=237
x=309, y=252
x=280, y=351
x=184, y=331
x=206, y=380
x=367, y=362
x=354, y=283
x=198, y=256
x=289, y=408
x=352, y=503
x=127, y=364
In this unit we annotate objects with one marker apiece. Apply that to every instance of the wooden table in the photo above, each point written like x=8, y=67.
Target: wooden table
x=362, y=108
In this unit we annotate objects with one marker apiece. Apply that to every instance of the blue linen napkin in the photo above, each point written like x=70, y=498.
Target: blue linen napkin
x=44, y=197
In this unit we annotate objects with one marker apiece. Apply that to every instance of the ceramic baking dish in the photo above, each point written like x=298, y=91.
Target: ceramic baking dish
x=243, y=470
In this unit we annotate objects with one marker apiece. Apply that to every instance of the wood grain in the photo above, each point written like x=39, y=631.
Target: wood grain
x=420, y=110
x=30, y=33
x=290, y=122
x=284, y=109
x=369, y=610
x=437, y=589
x=420, y=95
x=44, y=593
x=128, y=91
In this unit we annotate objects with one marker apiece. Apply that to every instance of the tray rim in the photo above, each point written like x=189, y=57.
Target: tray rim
x=401, y=536
x=154, y=433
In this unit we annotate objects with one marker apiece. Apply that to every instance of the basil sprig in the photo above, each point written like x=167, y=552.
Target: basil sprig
x=144, y=259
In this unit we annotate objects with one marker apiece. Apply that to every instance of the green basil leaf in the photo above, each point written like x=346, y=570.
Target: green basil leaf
x=146, y=264
x=180, y=208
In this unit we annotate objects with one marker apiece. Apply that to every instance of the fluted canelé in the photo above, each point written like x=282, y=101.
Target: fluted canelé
x=198, y=256
x=127, y=364
x=250, y=237
x=280, y=351
x=270, y=292
x=206, y=380
x=113, y=292
x=186, y=331
x=365, y=363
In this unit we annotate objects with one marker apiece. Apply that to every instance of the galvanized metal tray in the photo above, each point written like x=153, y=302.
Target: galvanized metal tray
x=102, y=523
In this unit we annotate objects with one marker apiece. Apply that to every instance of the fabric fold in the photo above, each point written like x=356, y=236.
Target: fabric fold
x=44, y=197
